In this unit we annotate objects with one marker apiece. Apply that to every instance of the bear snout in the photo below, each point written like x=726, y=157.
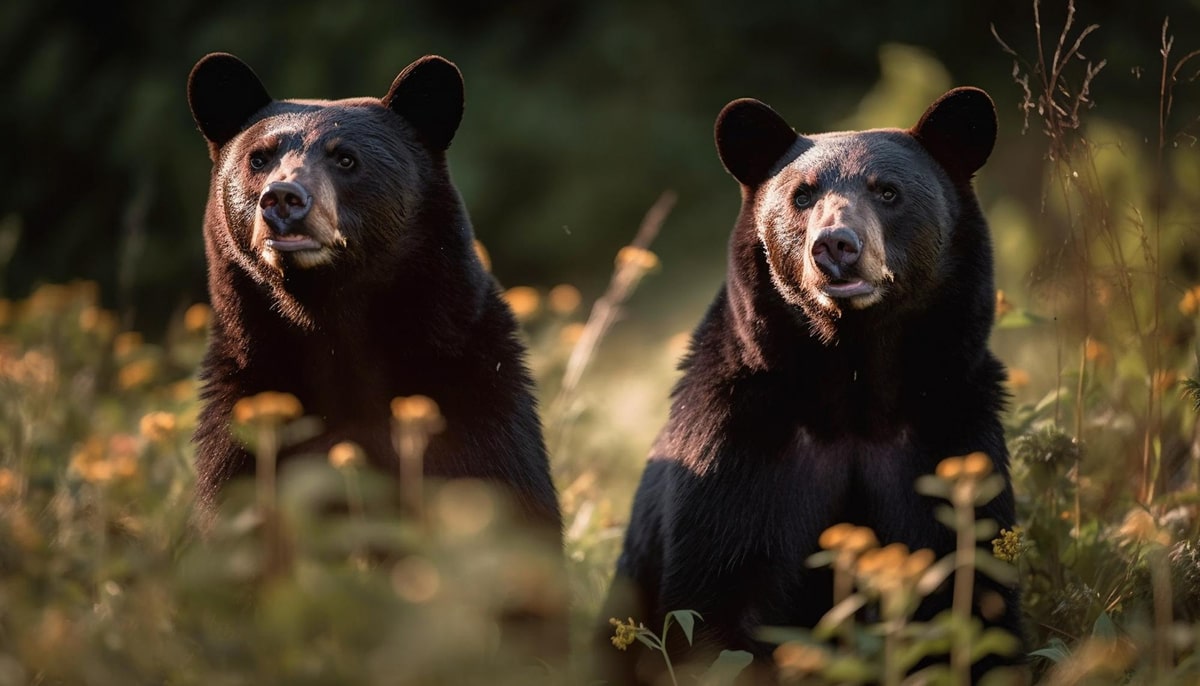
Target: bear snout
x=284, y=204
x=834, y=250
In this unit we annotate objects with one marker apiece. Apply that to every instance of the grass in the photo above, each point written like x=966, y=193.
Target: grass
x=103, y=581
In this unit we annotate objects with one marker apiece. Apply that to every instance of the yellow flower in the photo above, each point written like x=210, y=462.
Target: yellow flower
x=345, y=454
x=797, y=659
x=135, y=374
x=624, y=634
x=158, y=426
x=833, y=537
x=639, y=258
x=1003, y=306
x=571, y=333
x=1018, y=378
x=484, y=258
x=976, y=465
x=10, y=483
x=50, y=298
x=1095, y=351
x=418, y=410
x=126, y=343
x=564, y=298
x=195, y=319
x=98, y=461
x=523, y=300
x=268, y=407
x=1140, y=527
x=1009, y=545
x=1189, y=305
x=950, y=468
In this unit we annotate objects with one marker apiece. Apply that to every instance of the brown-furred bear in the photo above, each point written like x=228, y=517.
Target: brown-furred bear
x=342, y=270
x=844, y=357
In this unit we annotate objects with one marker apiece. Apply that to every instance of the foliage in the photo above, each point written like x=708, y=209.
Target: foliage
x=103, y=580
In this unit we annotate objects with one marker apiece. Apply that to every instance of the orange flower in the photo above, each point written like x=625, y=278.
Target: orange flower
x=640, y=258
x=268, y=407
x=158, y=426
x=484, y=258
x=564, y=298
x=1003, y=306
x=195, y=319
x=345, y=454
x=523, y=300
x=1017, y=378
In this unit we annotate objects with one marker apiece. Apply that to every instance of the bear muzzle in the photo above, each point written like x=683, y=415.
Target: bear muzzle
x=284, y=205
x=835, y=253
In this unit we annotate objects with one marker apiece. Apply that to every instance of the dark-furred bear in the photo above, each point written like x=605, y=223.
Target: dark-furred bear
x=844, y=357
x=342, y=270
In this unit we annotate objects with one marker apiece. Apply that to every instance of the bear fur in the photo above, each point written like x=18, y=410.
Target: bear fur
x=844, y=357
x=342, y=270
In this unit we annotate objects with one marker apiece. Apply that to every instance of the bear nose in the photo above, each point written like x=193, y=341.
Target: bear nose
x=284, y=204
x=835, y=249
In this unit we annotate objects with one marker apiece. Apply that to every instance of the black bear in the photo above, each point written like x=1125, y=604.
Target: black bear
x=342, y=270
x=844, y=357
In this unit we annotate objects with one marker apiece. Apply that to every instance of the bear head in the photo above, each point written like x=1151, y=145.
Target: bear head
x=857, y=225
x=308, y=192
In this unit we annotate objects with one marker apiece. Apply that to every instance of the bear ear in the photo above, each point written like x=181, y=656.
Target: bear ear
x=959, y=130
x=429, y=94
x=223, y=94
x=751, y=138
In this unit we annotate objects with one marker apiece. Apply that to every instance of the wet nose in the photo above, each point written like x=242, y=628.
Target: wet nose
x=835, y=249
x=284, y=204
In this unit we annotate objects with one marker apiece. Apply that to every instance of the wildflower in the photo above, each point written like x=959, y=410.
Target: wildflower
x=484, y=258
x=1009, y=545
x=976, y=465
x=1095, y=351
x=564, y=298
x=1189, y=305
x=10, y=483
x=126, y=343
x=158, y=426
x=571, y=333
x=99, y=462
x=195, y=319
x=135, y=374
x=1003, y=306
x=418, y=410
x=848, y=538
x=797, y=659
x=950, y=468
x=523, y=300
x=639, y=258
x=345, y=454
x=624, y=634
x=416, y=579
x=50, y=298
x=268, y=407
x=1018, y=378
x=1139, y=527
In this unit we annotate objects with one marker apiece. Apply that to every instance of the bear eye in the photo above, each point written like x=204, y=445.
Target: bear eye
x=888, y=194
x=345, y=161
x=803, y=197
x=258, y=160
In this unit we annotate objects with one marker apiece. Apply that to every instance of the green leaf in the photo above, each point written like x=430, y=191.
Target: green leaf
x=1056, y=651
x=986, y=529
x=1105, y=627
x=726, y=667
x=933, y=486
x=995, y=641
x=989, y=488
x=1019, y=319
x=686, y=620
x=997, y=569
x=822, y=558
x=945, y=515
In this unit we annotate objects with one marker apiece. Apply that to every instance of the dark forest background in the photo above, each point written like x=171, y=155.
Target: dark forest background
x=578, y=116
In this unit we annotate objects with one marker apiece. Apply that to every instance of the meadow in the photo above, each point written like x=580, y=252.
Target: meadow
x=105, y=580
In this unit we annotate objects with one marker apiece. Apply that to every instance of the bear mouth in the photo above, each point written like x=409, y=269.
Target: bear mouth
x=292, y=242
x=847, y=288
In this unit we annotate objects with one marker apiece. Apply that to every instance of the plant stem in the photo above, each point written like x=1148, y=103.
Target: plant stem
x=964, y=586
